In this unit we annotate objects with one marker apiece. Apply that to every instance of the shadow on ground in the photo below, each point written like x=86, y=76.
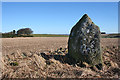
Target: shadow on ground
x=62, y=58
x=67, y=59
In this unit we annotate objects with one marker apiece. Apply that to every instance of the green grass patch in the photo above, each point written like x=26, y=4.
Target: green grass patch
x=111, y=36
x=49, y=35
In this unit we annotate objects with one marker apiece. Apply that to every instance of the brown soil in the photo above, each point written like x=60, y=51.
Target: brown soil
x=36, y=44
x=41, y=44
x=22, y=58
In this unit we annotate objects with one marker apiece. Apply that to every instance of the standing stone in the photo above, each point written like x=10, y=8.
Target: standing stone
x=84, y=42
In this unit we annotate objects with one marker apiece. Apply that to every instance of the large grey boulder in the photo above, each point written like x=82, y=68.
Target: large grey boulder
x=84, y=42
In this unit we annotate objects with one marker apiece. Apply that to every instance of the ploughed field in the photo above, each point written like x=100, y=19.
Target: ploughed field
x=41, y=44
x=37, y=57
x=33, y=44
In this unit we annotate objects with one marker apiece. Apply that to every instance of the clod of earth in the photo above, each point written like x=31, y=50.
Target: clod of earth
x=54, y=65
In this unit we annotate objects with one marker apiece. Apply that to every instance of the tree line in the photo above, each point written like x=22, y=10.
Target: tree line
x=24, y=32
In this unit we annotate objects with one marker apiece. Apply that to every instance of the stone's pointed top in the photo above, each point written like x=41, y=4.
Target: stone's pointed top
x=85, y=15
x=85, y=18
